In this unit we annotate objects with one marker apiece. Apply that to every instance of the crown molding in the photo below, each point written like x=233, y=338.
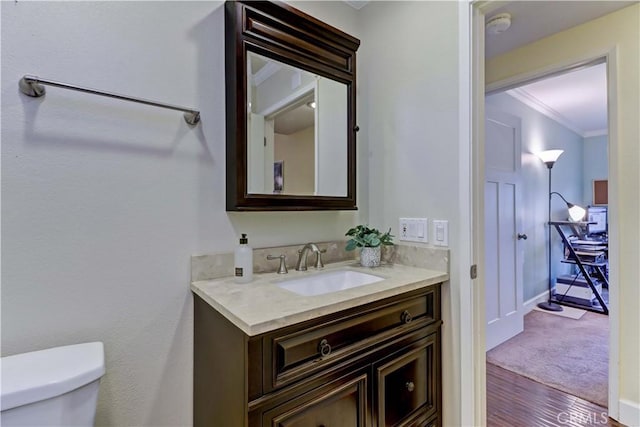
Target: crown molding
x=598, y=132
x=268, y=70
x=533, y=102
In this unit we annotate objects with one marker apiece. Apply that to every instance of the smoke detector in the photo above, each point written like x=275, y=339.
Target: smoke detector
x=499, y=23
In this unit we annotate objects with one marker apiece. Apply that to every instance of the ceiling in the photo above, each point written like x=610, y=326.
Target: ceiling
x=577, y=99
x=534, y=20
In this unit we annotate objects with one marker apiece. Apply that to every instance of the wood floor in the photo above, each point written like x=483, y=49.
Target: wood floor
x=514, y=401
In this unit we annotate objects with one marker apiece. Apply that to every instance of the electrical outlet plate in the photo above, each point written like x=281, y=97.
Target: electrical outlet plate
x=413, y=230
x=440, y=232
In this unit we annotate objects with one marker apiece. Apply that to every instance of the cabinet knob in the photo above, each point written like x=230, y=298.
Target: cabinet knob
x=410, y=386
x=324, y=348
x=522, y=236
x=405, y=317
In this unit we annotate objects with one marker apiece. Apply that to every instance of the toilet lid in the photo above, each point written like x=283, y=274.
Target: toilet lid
x=38, y=375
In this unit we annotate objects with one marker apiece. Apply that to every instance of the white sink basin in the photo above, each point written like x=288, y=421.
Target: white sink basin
x=331, y=281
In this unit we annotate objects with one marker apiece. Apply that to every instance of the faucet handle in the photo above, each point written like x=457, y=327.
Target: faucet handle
x=319, y=263
x=283, y=266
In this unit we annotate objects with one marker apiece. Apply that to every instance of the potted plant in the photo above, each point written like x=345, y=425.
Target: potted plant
x=370, y=240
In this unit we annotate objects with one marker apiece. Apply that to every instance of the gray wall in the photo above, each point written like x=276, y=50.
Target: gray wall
x=408, y=86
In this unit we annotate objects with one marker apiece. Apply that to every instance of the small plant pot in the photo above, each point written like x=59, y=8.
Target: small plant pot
x=370, y=257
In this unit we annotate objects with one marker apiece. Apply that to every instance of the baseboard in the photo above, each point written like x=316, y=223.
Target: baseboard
x=629, y=413
x=530, y=304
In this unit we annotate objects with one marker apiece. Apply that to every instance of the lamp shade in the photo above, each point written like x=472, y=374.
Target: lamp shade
x=550, y=156
x=576, y=213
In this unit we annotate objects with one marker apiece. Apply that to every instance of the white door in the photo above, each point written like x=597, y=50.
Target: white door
x=503, y=241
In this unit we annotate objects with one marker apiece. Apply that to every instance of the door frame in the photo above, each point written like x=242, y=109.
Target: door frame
x=472, y=89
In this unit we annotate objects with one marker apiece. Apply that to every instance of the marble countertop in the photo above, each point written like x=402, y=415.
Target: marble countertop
x=261, y=306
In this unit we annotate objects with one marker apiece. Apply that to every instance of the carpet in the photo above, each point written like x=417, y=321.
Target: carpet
x=566, y=354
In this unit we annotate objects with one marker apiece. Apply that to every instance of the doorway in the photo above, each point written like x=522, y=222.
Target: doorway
x=510, y=75
x=581, y=132
x=566, y=111
x=579, y=157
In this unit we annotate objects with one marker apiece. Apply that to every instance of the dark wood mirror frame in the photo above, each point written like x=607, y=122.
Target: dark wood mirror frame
x=283, y=33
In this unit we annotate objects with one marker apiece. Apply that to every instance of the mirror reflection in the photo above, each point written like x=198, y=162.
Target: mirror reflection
x=297, y=126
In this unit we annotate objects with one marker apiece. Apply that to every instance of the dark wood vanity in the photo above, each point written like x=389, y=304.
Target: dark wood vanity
x=377, y=364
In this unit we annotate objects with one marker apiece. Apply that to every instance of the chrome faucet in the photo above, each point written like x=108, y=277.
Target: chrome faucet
x=301, y=265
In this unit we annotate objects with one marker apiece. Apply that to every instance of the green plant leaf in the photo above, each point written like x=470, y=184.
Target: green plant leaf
x=364, y=236
x=351, y=245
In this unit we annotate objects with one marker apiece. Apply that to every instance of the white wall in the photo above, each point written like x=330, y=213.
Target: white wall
x=595, y=164
x=103, y=201
x=408, y=71
x=540, y=133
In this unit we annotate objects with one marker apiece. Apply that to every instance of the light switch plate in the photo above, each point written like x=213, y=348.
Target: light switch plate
x=413, y=230
x=440, y=232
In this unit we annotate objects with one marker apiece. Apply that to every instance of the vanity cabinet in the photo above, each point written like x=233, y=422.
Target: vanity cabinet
x=377, y=364
x=342, y=403
x=402, y=396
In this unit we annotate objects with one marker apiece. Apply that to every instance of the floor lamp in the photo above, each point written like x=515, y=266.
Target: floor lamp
x=549, y=158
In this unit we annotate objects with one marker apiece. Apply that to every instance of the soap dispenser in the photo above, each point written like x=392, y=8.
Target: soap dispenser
x=243, y=261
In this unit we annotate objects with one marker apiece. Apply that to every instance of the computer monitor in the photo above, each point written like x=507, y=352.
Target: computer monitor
x=597, y=219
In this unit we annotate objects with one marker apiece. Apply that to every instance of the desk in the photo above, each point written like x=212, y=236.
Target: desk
x=590, y=258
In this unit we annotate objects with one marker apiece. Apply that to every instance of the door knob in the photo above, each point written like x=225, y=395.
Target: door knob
x=522, y=236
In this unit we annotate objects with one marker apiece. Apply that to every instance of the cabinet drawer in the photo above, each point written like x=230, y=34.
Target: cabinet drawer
x=292, y=354
x=340, y=403
x=407, y=385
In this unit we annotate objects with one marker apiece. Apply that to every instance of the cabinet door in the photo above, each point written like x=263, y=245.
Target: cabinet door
x=342, y=403
x=406, y=385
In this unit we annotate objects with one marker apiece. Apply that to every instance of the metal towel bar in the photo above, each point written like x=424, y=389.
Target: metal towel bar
x=32, y=86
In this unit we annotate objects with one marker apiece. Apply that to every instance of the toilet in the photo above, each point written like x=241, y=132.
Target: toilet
x=52, y=387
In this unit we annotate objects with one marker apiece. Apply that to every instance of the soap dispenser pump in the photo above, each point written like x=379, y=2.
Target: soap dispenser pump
x=243, y=261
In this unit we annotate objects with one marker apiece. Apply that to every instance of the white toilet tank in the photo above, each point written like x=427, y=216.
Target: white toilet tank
x=53, y=387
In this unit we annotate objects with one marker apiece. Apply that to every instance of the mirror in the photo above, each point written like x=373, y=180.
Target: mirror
x=296, y=130
x=290, y=110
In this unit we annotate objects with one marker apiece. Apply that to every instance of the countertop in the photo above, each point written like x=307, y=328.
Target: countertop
x=261, y=306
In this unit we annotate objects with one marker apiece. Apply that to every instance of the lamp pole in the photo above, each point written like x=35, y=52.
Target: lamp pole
x=550, y=305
